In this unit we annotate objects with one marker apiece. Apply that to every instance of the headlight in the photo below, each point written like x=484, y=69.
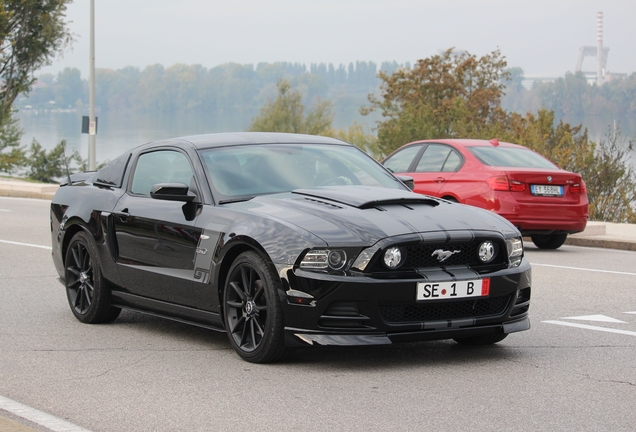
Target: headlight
x=323, y=259
x=515, y=251
x=337, y=259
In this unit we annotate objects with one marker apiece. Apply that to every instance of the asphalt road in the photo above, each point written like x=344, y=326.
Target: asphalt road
x=574, y=370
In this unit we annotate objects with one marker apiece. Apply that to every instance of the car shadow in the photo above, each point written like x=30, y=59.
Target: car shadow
x=167, y=328
x=415, y=354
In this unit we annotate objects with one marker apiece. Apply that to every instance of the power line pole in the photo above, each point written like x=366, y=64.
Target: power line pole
x=92, y=129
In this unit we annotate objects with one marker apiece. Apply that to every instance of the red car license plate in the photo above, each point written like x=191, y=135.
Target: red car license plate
x=547, y=190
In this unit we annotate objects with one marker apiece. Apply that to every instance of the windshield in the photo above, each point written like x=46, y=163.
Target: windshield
x=250, y=170
x=510, y=157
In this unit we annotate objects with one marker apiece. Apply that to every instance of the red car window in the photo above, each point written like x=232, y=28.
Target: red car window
x=401, y=161
x=437, y=158
x=510, y=157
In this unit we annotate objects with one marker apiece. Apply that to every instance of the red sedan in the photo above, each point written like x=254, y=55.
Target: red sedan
x=539, y=198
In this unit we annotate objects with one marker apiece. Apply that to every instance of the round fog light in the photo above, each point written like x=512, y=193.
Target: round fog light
x=486, y=251
x=393, y=257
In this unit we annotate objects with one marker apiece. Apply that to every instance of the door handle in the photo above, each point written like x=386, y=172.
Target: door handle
x=122, y=215
x=440, y=180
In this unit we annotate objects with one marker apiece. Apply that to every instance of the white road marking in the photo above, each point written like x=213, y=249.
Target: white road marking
x=634, y=313
x=585, y=269
x=5, y=210
x=589, y=327
x=36, y=416
x=599, y=318
x=26, y=244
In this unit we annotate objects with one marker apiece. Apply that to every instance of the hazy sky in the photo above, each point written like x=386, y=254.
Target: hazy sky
x=541, y=36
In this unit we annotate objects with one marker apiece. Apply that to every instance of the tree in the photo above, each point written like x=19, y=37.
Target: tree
x=443, y=96
x=70, y=89
x=11, y=154
x=604, y=166
x=287, y=114
x=32, y=32
x=358, y=136
x=516, y=78
x=46, y=166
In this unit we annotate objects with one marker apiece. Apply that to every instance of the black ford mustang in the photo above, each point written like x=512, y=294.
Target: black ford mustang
x=284, y=241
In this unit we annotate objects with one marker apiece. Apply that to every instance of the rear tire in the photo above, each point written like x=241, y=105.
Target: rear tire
x=252, y=311
x=549, y=241
x=86, y=290
x=482, y=340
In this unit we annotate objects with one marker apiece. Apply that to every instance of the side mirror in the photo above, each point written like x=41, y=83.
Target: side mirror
x=172, y=192
x=408, y=181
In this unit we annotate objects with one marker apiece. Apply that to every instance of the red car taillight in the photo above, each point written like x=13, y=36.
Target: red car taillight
x=501, y=183
x=517, y=186
x=578, y=188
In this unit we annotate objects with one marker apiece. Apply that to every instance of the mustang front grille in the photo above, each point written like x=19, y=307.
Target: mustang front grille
x=436, y=255
x=432, y=311
x=422, y=255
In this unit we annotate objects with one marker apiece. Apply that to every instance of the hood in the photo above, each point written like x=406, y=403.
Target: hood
x=360, y=216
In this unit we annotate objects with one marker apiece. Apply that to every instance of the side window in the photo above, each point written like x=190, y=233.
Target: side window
x=400, y=161
x=435, y=158
x=453, y=162
x=162, y=166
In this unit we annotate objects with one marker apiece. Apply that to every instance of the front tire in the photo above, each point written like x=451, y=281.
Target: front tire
x=252, y=312
x=86, y=290
x=549, y=241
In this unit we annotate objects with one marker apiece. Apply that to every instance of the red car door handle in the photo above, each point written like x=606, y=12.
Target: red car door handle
x=440, y=180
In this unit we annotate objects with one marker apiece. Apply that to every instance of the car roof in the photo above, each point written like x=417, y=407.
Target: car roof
x=243, y=138
x=466, y=142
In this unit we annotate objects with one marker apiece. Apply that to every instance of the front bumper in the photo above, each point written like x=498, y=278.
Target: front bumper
x=301, y=337
x=353, y=310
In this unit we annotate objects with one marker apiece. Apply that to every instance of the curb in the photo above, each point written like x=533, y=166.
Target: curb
x=600, y=243
x=22, y=189
x=25, y=194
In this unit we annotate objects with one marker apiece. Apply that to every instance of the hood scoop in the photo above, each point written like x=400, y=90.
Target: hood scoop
x=324, y=203
x=364, y=197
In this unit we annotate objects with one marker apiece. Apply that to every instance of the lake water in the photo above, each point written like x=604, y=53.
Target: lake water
x=120, y=132
x=116, y=133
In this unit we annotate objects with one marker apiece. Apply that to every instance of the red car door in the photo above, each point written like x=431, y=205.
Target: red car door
x=437, y=164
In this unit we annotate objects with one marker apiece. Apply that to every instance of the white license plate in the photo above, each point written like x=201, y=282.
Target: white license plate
x=547, y=190
x=452, y=290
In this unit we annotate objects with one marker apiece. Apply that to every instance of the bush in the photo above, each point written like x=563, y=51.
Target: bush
x=12, y=155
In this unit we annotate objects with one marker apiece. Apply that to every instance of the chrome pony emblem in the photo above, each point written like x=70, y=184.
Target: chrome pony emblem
x=549, y=179
x=443, y=255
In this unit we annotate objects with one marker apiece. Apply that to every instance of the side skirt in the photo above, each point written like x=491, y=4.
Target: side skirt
x=183, y=314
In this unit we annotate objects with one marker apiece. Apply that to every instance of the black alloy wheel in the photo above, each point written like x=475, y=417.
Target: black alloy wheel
x=549, y=241
x=86, y=289
x=252, y=311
